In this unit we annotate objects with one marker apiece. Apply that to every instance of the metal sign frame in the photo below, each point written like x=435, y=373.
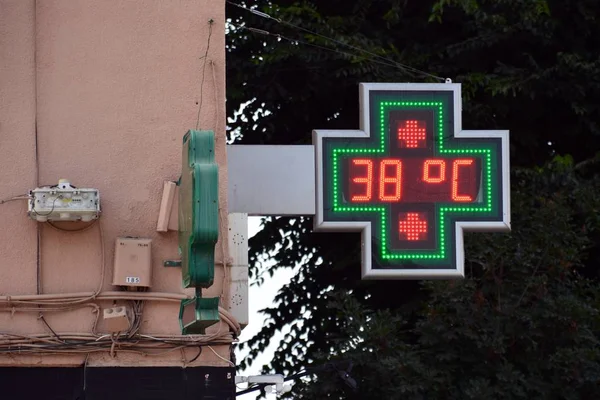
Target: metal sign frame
x=365, y=227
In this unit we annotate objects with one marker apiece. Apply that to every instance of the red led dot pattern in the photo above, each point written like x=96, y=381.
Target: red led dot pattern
x=386, y=181
x=416, y=179
x=412, y=134
x=367, y=180
x=441, y=166
x=464, y=198
x=413, y=227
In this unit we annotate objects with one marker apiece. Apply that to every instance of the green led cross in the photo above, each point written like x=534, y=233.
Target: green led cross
x=410, y=179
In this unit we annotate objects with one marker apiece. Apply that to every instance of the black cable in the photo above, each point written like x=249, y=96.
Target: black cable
x=210, y=24
x=49, y=327
x=85, y=228
x=85, y=363
x=197, y=355
x=51, y=210
x=394, y=63
x=279, y=36
x=63, y=345
x=78, y=344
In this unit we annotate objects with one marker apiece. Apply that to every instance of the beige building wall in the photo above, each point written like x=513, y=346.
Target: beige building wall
x=101, y=93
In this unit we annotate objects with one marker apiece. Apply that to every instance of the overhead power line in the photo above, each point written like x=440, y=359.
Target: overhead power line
x=294, y=41
x=373, y=57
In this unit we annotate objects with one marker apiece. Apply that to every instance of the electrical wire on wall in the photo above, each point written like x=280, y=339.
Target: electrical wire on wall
x=205, y=59
x=87, y=342
x=18, y=303
x=132, y=340
x=81, y=342
x=15, y=198
x=224, y=259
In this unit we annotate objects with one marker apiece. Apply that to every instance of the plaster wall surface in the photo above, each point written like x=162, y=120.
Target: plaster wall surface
x=103, y=92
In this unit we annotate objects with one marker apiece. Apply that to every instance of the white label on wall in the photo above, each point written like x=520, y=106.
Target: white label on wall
x=132, y=279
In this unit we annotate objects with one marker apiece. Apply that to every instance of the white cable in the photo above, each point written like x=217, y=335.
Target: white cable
x=222, y=358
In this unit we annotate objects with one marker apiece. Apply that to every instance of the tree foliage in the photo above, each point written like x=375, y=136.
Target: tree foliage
x=525, y=323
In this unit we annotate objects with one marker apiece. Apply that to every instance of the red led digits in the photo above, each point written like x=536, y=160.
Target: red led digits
x=367, y=180
x=412, y=180
x=456, y=164
x=412, y=134
x=441, y=166
x=413, y=227
x=386, y=181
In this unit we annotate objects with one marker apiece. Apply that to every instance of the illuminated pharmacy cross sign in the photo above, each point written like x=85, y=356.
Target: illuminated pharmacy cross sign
x=411, y=180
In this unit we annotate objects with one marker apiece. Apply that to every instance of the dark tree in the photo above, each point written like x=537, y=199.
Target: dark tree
x=525, y=322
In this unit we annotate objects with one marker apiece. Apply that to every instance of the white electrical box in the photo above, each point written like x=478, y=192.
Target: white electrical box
x=116, y=319
x=64, y=202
